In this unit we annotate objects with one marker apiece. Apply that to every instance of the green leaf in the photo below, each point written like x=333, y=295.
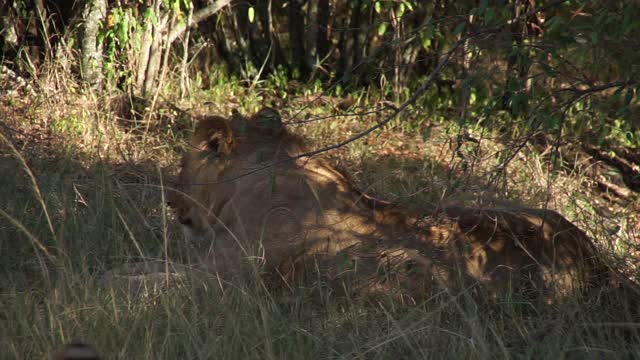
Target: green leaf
x=628, y=96
x=629, y=136
x=382, y=28
x=483, y=5
x=378, y=7
x=429, y=32
x=623, y=111
x=408, y=5
x=618, y=92
x=426, y=43
x=519, y=102
x=251, y=13
x=400, y=10
x=552, y=121
x=631, y=26
x=426, y=134
x=553, y=24
x=548, y=70
x=460, y=28
x=513, y=84
x=488, y=15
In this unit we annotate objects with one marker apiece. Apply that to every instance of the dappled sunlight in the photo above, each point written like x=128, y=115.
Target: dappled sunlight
x=418, y=179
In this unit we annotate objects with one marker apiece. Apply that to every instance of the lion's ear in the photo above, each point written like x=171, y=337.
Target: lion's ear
x=238, y=123
x=268, y=120
x=214, y=135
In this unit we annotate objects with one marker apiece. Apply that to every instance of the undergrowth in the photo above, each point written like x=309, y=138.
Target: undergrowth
x=100, y=169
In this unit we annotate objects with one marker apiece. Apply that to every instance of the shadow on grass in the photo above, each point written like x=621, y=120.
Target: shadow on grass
x=104, y=214
x=96, y=213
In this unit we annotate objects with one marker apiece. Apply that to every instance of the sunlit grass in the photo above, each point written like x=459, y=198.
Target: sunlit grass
x=104, y=209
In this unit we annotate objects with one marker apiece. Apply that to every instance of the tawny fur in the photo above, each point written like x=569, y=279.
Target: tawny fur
x=295, y=218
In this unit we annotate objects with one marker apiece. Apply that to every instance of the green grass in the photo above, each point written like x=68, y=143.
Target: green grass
x=106, y=212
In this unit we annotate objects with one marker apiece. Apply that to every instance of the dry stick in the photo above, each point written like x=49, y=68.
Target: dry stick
x=198, y=17
x=320, y=118
x=599, y=88
x=184, y=76
x=165, y=237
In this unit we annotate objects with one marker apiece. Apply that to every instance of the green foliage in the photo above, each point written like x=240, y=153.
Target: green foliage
x=120, y=29
x=251, y=14
x=574, y=74
x=70, y=126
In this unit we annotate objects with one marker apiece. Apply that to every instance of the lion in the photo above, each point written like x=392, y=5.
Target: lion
x=297, y=220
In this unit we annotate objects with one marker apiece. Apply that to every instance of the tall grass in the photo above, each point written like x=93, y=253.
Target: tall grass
x=89, y=213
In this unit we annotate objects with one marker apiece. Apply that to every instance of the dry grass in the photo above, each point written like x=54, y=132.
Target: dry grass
x=98, y=173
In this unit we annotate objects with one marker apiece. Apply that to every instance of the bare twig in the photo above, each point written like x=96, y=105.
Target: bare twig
x=197, y=18
x=320, y=118
x=594, y=89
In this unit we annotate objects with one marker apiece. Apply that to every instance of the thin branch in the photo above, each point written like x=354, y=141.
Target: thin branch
x=333, y=116
x=198, y=17
x=594, y=89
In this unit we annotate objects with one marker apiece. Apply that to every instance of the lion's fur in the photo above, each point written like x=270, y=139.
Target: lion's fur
x=292, y=218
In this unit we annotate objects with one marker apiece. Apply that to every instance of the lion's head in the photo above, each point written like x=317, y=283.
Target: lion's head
x=202, y=189
x=203, y=164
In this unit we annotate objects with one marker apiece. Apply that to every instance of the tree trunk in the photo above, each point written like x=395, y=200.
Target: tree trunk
x=226, y=46
x=322, y=42
x=296, y=37
x=280, y=58
x=43, y=29
x=397, y=54
x=248, y=31
x=356, y=24
x=155, y=57
x=8, y=22
x=311, y=35
x=158, y=37
x=184, y=70
x=517, y=70
x=241, y=32
x=465, y=89
x=349, y=39
x=143, y=57
x=91, y=63
x=273, y=49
